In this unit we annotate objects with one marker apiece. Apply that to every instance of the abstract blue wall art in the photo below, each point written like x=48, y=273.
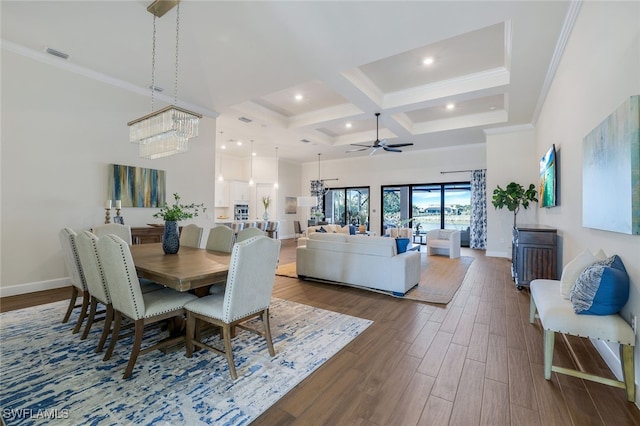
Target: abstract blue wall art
x=136, y=186
x=611, y=172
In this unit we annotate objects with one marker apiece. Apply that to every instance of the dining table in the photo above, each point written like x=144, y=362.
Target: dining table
x=191, y=269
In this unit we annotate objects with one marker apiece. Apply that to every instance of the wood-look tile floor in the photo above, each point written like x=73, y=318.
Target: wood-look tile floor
x=474, y=361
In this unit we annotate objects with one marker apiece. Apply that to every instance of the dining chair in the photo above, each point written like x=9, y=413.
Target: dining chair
x=94, y=276
x=247, y=295
x=261, y=225
x=237, y=227
x=122, y=231
x=272, y=229
x=67, y=238
x=129, y=301
x=221, y=238
x=191, y=235
x=247, y=233
x=297, y=229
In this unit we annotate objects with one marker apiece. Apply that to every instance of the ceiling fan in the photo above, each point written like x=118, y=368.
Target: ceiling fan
x=377, y=144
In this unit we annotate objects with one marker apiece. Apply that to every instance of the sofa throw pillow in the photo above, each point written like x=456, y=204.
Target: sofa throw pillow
x=401, y=244
x=602, y=288
x=572, y=271
x=324, y=231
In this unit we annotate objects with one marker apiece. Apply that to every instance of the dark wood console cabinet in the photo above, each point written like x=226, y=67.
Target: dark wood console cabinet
x=534, y=254
x=147, y=234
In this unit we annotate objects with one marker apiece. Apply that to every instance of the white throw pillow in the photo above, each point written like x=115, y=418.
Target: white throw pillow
x=600, y=255
x=572, y=271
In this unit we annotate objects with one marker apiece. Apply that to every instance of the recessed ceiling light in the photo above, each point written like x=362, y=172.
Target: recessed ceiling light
x=348, y=125
x=492, y=108
x=239, y=143
x=451, y=105
x=223, y=147
x=427, y=61
x=298, y=97
x=254, y=154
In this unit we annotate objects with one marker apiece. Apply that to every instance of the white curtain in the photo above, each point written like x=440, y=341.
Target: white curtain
x=478, y=231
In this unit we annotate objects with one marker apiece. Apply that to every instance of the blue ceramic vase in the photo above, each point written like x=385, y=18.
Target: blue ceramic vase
x=171, y=237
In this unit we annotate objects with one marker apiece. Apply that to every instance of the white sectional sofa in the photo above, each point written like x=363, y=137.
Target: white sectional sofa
x=360, y=260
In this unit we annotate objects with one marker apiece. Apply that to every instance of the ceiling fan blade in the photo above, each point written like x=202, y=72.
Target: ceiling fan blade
x=373, y=151
x=360, y=144
x=399, y=145
x=358, y=149
x=386, y=148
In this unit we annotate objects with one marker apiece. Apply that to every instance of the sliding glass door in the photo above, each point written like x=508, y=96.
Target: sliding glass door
x=347, y=206
x=427, y=206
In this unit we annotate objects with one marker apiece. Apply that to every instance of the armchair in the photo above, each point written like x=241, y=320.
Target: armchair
x=447, y=240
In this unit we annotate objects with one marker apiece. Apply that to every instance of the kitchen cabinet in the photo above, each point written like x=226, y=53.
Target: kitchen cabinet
x=239, y=192
x=222, y=193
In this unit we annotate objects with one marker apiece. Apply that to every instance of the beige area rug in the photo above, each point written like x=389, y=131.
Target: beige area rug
x=440, y=278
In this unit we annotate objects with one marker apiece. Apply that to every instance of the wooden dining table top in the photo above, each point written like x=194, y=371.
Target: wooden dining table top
x=189, y=269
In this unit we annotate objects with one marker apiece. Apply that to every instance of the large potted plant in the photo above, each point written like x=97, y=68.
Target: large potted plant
x=172, y=215
x=513, y=197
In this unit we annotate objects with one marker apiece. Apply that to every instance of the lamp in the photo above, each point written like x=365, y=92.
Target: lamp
x=276, y=185
x=251, y=182
x=166, y=131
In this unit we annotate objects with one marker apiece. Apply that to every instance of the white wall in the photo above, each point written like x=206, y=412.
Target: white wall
x=599, y=70
x=59, y=132
x=510, y=158
x=395, y=169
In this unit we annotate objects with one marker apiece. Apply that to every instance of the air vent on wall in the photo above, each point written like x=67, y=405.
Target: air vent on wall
x=57, y=53
x=305, y=140
x=245, y=119
x=156, y=88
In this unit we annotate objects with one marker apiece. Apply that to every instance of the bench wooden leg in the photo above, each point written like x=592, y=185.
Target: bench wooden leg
x=628, y=373
x=532, y=310
x=549, y=341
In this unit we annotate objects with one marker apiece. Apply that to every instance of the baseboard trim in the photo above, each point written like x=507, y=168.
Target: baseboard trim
x=498, y=254
x=15, y=290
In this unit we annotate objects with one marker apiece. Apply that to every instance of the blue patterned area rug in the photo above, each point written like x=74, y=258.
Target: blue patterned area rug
x=49, y=373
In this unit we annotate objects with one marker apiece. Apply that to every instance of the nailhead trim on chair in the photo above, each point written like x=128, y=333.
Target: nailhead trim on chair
x=124, y=261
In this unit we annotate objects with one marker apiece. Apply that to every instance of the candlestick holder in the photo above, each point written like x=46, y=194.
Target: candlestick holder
x=107, y=215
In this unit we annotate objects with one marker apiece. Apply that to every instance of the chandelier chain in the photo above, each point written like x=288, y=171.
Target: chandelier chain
x=175, y=87
x=153, y=62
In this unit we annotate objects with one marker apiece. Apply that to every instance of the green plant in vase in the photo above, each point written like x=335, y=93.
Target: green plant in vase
x=513, y=197
x=171, y=216
x=266, y=202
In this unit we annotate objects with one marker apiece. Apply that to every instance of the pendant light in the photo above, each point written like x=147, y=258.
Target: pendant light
x=276, y=185
x=251, y=182
x=166, y=131
x=220, y=176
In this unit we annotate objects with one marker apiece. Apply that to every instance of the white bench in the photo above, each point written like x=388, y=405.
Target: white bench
x=557, y=316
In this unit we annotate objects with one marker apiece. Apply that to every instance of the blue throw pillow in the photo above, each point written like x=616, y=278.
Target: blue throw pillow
x=352, y=230
x=602, y=288
x=401, y=244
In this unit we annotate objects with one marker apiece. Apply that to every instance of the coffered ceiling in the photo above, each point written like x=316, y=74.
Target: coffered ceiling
x=439, y=72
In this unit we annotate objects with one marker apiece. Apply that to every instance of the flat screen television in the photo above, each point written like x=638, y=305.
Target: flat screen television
x=548, y=169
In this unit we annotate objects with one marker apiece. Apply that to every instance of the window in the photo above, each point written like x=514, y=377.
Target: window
x=347, y=206
x=427, y=206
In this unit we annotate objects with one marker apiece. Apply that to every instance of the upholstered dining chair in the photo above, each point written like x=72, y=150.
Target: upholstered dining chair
x=67, y=238
x=122, y=231
x=221, y=238
x=237, y=227
x=191, y=235
x=272, y=229
x=247, y=295
x=261, y=225
x=297, y=229
x=94, y=276
x=129, y=301
x=247, y=233
x=87, y=244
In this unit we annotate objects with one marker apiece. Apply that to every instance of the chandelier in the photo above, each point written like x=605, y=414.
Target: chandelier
x=166, y=131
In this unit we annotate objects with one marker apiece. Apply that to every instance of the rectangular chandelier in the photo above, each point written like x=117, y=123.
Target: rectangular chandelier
x=164, y=132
